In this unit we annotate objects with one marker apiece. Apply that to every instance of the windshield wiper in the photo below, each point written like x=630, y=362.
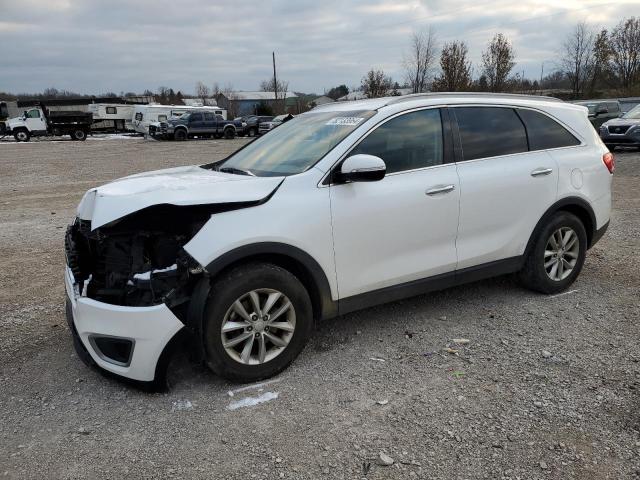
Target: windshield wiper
x=236, y=171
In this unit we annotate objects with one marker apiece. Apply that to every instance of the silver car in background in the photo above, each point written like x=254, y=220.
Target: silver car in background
x=623, y=131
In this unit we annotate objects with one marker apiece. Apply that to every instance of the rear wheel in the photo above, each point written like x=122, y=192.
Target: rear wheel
x=79, y=135
x=557, y=256
x=229, y=133
x=22, y=135
x=253, y=132
x=180, y=135
x=258, y=319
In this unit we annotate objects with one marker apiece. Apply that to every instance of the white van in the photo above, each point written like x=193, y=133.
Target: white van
x=111, y=116
x=144, y=115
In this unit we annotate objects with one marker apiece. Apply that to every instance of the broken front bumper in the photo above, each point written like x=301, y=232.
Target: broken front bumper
x=126, y=341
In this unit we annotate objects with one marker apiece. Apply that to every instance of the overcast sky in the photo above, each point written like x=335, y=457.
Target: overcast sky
x=95, y=46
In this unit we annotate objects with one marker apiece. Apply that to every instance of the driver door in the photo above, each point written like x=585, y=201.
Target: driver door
x=35, y=121
x=402, y=228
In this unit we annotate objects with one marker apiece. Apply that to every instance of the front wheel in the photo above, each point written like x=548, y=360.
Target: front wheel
x=22, y=136
x=258, y=319
x=229, y=133
x=557, y=256
x=180, y=135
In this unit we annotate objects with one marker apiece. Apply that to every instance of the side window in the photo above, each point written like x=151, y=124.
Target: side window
x=33, y=114
x=407, y=142
x=162, y=118
x=490, y=132
x=544, y=132
x=613, y=107
x=209, y=117
x=112, y=110
x=195, y=117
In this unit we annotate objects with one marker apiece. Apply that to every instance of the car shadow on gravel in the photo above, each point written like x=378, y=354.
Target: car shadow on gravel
x=394, y=318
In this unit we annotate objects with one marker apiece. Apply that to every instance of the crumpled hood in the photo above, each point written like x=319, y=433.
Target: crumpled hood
x=182, y=186
x=622, y=121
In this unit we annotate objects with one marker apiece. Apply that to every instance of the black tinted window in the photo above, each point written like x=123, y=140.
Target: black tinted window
x=209, y=117
x=195, y=117
x=490, y=132
x=545, y=132
x=407, y=142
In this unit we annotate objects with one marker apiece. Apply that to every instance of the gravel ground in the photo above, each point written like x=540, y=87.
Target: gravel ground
x=546, y=388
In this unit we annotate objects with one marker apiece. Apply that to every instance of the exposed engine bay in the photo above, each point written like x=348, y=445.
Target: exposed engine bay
x=137, y=260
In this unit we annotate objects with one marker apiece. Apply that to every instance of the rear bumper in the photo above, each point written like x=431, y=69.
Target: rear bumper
x=598, y=234
x=144, y=331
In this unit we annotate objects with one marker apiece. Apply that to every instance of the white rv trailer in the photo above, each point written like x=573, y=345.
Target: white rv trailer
x=144, y=115
x=112, y=116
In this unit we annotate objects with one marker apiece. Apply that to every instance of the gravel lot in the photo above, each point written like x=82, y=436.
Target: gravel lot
x=546, y=388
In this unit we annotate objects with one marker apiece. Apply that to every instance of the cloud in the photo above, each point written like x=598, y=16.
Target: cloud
x=118, y=45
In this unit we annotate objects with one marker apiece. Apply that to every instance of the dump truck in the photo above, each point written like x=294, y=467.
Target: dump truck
x=39, y=121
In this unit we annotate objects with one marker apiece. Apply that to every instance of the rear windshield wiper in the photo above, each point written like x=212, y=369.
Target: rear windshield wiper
x=236, y=171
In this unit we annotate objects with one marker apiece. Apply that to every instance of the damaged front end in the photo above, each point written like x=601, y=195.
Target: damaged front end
x=138, y=260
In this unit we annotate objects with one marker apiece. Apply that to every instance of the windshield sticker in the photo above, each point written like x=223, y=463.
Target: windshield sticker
x=346, y=121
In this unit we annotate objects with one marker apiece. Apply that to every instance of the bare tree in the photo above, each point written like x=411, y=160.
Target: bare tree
x=376, y=84
x=280, y=93
x=418, y=64
x=202, y=92
x=577, y=58
x=625, y=53
x=497, y=62
x=456, y=69
x=601, y=71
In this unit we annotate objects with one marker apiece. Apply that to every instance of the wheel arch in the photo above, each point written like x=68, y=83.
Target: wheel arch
x=291, y=258
x=575, y=205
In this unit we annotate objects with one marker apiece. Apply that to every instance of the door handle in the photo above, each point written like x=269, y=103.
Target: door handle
x=440, y=189
x=538, y=172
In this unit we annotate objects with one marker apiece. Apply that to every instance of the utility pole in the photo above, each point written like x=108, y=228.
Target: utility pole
x=275, y=79
x=541, y=74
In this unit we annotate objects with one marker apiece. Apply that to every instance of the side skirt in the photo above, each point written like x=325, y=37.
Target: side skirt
x=430, y=284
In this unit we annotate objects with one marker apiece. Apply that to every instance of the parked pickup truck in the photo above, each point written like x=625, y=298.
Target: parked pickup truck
x=39, y=121
x=266, y=127
x=196, y=123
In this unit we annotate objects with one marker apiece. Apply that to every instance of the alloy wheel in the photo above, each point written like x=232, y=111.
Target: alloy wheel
x=258, y=326
x=561, y=253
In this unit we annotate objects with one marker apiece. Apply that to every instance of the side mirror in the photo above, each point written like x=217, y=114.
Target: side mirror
x=362, y=168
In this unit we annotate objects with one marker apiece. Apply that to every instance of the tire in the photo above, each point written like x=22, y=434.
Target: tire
x=22, y=135
x=538, y=272
x=253, y=132
x=180, y=135
x=229, y=133
x=79, y=135
x=266, y=279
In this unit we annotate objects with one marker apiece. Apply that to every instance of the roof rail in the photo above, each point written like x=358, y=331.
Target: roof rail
x=414, y=96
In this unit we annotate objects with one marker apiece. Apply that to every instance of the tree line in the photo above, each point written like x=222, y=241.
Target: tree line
x=589, y=63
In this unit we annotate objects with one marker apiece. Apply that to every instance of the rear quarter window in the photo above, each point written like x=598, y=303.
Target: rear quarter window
x=544, y=132
x=490, y=132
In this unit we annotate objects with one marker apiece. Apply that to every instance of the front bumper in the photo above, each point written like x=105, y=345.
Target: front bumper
x=629, y=139
x=148, y=331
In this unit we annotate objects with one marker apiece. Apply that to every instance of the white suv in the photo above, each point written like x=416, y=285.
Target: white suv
x=350, y=205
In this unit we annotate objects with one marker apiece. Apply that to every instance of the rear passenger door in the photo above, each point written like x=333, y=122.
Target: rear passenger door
x=504, y=187
x=210, y=123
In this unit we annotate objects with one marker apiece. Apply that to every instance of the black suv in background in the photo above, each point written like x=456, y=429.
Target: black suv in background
x=601, y=110
x=252, y=124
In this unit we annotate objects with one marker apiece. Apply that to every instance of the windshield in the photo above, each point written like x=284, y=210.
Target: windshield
x=296, y=145
x=633, y=114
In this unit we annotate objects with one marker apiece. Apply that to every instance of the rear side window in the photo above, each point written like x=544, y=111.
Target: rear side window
x=613, y=107
x=490, y=132
x=209, y=117
x=407, y=142
x=544, y=132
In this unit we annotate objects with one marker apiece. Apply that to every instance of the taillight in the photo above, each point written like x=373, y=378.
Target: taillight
x=610, y=161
